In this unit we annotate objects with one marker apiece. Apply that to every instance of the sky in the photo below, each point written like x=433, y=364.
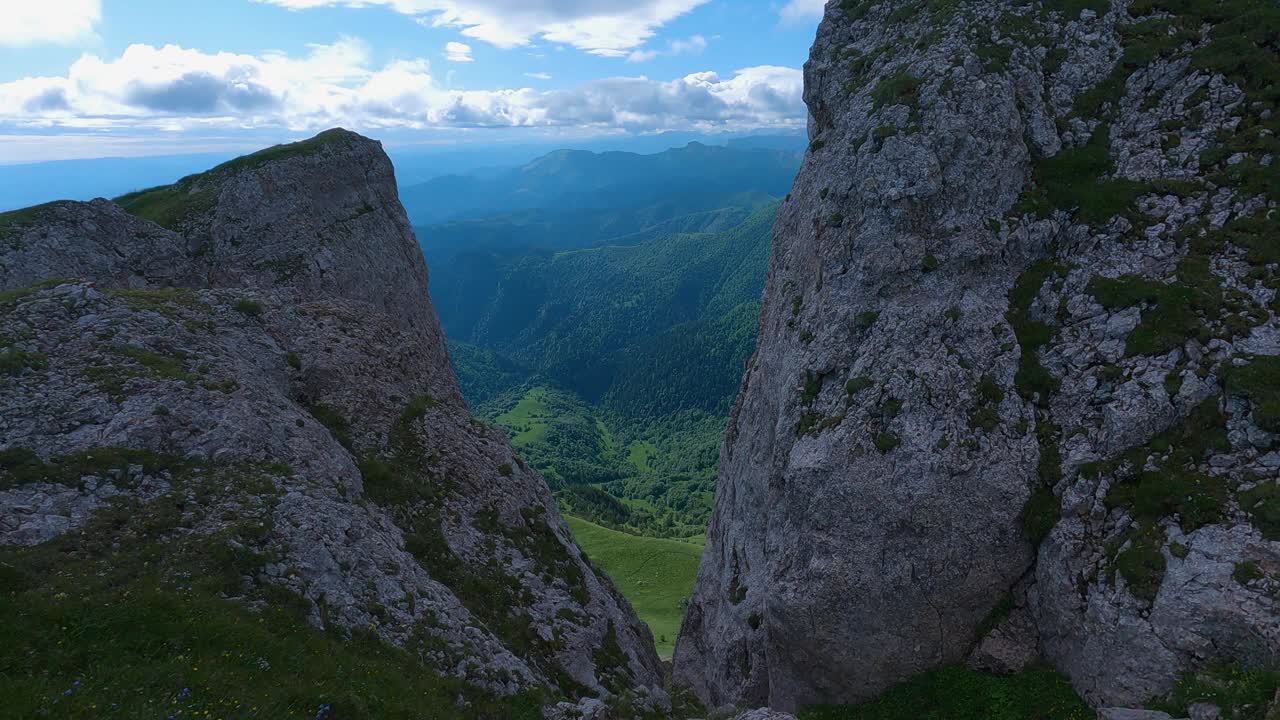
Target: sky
x=122, y=78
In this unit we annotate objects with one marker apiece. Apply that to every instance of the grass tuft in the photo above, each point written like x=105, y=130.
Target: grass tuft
x=955, y=693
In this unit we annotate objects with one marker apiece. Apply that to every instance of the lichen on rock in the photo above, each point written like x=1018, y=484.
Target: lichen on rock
x=1052, y=303
x=271, y=316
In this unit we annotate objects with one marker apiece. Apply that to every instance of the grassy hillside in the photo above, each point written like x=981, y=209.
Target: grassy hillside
x=132, y=617
x=655, y=575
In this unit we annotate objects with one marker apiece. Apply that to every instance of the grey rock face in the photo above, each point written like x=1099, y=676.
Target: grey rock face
x=288, y=334
x=862, y=528
x=958, y=394
x=99, y=240
x=1010, y=646
x=1204, y=711
x=764, y=714
x=1131, y=714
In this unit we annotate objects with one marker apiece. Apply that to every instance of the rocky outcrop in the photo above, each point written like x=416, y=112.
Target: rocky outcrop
x=256, y=347
x=764, y=714
x=1017, y=370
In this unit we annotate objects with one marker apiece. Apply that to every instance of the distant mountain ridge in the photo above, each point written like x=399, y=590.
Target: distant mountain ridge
x=582, y=180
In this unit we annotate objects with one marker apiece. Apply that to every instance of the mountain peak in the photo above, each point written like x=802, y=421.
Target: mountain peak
x=269, y=362
x=1007, y=404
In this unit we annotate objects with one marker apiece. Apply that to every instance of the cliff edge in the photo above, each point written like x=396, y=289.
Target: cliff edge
x=236, y=387
x=1015, y=395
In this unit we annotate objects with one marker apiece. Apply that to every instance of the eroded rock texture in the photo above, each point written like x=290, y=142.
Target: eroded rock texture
x=1018, y=361
x=256, y=347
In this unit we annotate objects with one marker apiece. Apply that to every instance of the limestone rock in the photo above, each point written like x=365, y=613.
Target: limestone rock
x=980, y=367
x=279, y=333
x=1131, y=714
x=1204, y=711
x=764, y=714
x=1010, y=647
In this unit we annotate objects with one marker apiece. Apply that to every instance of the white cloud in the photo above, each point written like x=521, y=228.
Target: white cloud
x=179, y=90
x=764, y=96
x=694, y=45
x=36, y=22
x=458, y=52
x=538, y=76
x=609, y=28
x=802, y=11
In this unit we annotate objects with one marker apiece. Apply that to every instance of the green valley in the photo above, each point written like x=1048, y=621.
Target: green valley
x=646, y=476
x=602, y=320
x=654, y=574
x=612, y=369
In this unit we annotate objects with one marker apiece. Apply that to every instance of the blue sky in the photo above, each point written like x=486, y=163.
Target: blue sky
x=91, y=78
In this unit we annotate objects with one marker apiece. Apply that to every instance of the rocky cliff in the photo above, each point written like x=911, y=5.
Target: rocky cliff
x=1015, y=396
x=244, y=371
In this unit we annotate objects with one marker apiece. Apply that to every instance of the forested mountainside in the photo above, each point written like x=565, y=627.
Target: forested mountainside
x=591, y=319
x=236, y=471
x=601, y=312
x=1015, y=395
x=554, y=228
x=577, y=180
x=613, y=366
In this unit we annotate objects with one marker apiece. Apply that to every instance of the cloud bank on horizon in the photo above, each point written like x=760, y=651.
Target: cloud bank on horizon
x=177, y=90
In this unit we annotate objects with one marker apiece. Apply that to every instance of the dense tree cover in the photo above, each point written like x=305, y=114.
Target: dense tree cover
x=696, y=365
x=646, y=476
x=679, y=307
x=483, y=374
x=590, y=501
x=613, y=368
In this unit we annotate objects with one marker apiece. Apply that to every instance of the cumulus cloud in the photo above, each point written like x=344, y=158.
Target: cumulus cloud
x=691, y=46
x=610, y=28
x=38, y=22
x=538, y=75
x=802, y=11
x=178, y=89
x=458, y=52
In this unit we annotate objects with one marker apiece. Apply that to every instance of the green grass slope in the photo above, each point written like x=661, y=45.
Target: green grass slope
x=136, y=616
x=955, y=693
x=654, y=574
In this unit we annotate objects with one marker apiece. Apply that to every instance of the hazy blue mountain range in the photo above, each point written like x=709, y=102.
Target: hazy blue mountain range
x=32, y=184
x=554, y=228
x=27, y=184
x=577, y=180
x=601, y=310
